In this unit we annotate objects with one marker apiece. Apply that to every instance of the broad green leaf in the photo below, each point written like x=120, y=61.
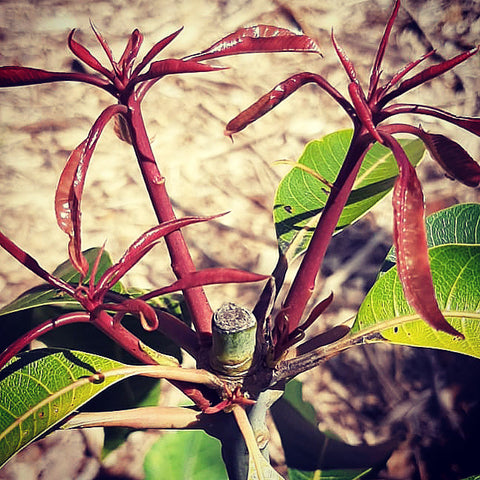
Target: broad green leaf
x=456, y=277
x=457, y=224
x=301, y=196
x=39, y=388
x=46, y=295
x=351, y=474
x=191, y=455
x=293, y=395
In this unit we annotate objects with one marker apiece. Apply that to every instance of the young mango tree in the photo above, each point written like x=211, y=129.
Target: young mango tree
x=426, y=294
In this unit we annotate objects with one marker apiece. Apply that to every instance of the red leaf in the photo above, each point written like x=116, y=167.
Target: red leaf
x=28, y=261
x=131, y=50
x=268, y=101
x=410, y=240
x=83, y=54
x=208, y=276
x=105, y=47
x=136, y=306
x=19, y=76
x=428, y=74
x=471, y=124
x=317, y=311
x=403, y=71
x=64, y=192
x=155, y=50
x=138, y=249
x=68, y=196
x=75, y=254
x=456, y=162
x=345, y=61
x=376, y=72
x=73, y=175
x=258, y=39
x=173, y=65
x=280, y=93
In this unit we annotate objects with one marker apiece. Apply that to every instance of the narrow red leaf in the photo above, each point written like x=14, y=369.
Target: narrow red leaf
x=131, y=50
x=317, y=311
x=208, y=276
x=299, y=333
x=83, y=54
x=470, y=124
x=75, y=170
x=93, y=274
x=280, y=93
x=64, y=192
x=456, y=161
x=106, y=48
x=138, y=249
x=155, y=50
x=77, y=259
x=344, y=60
x=173, y=65
x=21, y=76
x=410, y=240
x=428, y=74
x=375, y=75
x=402, y=72
x=258, y=39
x=28, y=261
x=68, y=196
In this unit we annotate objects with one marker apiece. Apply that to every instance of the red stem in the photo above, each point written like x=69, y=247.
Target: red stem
x=304, y=282
x=181, y=260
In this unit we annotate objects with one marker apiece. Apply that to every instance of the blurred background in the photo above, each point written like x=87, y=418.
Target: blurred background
x=367, y=395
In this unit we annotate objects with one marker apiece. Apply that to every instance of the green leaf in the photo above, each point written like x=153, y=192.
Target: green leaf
x=46, y=295
x=385, y=315
x=301, y=196
x=293, y=395
x=54, y=383
x=351, y=474
x=457, y=224
x=191, y=455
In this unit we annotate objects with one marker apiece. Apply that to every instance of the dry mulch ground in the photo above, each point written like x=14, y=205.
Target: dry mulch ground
x=363, y=396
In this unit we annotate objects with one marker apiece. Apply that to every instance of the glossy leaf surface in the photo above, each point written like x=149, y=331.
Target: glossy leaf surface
x=456, y=277
x=45, y=399
x=301, y=197
x=185, y=456
x=257, y=39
